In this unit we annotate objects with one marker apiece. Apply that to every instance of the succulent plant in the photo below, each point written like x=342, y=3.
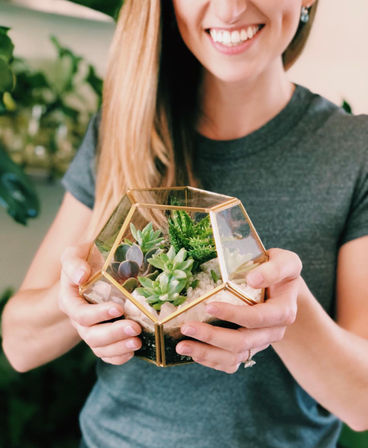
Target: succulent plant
x=131, y=259
x=176, y=271
x=147, y=238
x=195, y=237
x=129, y=262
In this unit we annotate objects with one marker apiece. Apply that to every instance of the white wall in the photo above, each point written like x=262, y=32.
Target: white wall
x=31, y=31
x=335, y=61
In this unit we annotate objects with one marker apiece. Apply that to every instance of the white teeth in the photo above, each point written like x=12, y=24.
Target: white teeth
x=233, y=38
x=226, y=37
x=243, y=35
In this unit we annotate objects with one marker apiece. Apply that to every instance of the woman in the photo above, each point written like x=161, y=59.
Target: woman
x=219, y=112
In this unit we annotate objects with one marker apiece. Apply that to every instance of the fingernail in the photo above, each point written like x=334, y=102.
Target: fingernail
x=255, y=278
x=183, y=349
x=212, y=309
x=188, y=331
x=79, y=275
x=130, y=331
x=114, y=312
x=132, y=344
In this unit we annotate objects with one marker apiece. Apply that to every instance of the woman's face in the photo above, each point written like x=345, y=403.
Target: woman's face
x=238, y=40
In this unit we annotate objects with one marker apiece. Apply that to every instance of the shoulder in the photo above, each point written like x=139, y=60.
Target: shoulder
x=335, y=132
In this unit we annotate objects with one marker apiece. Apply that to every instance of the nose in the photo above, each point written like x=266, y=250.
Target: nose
x=229, y=11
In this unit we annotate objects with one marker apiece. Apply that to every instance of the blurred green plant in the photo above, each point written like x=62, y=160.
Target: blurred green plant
x=7, y=78
x=47, y=111
x=40, y=408
x=17, y=194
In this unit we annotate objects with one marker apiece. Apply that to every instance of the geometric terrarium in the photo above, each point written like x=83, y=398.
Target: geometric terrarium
x=166, y=253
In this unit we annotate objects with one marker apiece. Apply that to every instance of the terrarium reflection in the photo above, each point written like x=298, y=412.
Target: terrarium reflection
x=165, y=253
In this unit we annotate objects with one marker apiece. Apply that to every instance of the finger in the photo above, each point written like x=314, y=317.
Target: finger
x=120, y=348
x=109, y=333
x=235, y=341
x=209, y=356
x=282, y=265
x=88, y=314
x=118, y=360
x=279, y=310
x=74, y=265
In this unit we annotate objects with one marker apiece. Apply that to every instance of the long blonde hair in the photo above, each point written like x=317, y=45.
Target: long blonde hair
x=149, y=113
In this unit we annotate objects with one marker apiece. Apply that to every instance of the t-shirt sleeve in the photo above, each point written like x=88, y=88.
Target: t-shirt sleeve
x=357, y=222
x=80, y=178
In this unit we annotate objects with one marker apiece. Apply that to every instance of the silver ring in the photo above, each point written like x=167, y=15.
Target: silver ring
x=249, y=361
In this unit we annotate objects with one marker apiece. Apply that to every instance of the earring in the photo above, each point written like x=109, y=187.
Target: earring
x=304, y=16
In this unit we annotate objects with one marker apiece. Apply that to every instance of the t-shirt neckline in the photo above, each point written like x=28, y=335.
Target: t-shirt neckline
x=268, y=134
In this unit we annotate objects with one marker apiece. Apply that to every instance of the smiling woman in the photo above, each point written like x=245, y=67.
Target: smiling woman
x=196, y=92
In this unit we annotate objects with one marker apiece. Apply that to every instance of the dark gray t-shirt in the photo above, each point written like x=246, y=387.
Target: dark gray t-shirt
x=303, y=178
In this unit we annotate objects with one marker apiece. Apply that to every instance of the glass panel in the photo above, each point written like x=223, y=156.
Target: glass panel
x=206, y=199
x=101, y=290
x=239, y=248
x=96, y=259
x=185, y=197
x=108, y=234
x=170, y=196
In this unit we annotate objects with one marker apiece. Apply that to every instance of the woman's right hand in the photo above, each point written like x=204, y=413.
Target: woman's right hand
x=113, y=342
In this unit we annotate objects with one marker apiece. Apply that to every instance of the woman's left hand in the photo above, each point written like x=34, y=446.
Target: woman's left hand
x=260, y=325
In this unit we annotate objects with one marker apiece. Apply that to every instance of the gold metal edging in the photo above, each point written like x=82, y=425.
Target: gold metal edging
x=162, y=345
x=131, y=190
x=208, y=193
x=151, y=361
x=118, y=238
x=158, y=344
x=194, y=303
x=225, y=205
x=130, y=196
x=129, y=296
x=220, y=252
x=240, y=294
x=173, y=207
x=86, y=285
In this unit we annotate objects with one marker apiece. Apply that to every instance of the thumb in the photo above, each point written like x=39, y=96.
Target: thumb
x=74, y=265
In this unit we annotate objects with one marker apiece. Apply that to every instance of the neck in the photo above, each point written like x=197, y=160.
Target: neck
x=234, y=110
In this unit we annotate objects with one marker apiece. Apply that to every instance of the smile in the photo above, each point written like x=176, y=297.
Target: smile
x=234, y=38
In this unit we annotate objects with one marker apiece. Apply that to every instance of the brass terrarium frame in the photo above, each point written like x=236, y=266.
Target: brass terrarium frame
x=227, y=284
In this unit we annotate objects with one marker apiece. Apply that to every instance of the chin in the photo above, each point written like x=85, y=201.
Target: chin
x=232, y=76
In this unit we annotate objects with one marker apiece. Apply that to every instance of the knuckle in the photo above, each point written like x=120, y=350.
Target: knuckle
x=200, y=356
x=289, y=316
x=67, y=254
x=82, y=319
x=241, y=346
x=208, y=336
x=298, y=264
x=280, y=333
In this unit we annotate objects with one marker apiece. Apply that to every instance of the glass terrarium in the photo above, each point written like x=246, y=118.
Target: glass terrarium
x=166, y=253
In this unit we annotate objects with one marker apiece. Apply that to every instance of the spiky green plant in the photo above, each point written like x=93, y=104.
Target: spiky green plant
x=176, y=271
x=147, y=238
x=195, y=237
